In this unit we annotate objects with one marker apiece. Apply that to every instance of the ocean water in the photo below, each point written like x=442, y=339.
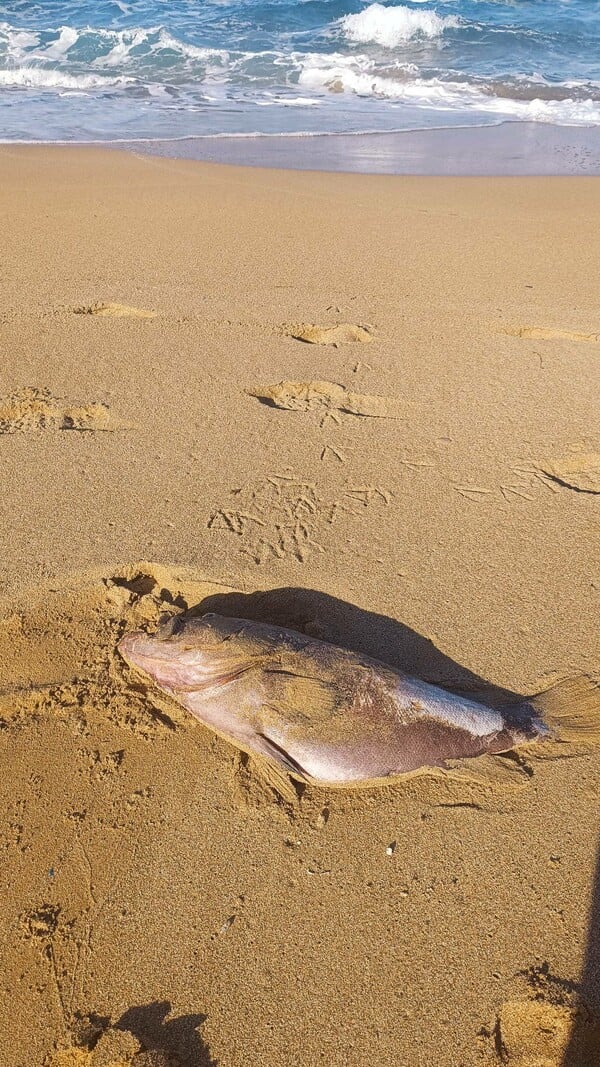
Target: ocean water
x=84, y=70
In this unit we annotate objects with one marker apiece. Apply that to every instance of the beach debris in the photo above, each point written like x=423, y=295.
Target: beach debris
x=544, y=333
x=29, y=410
x=115, y=311
x=580, y=471
x=335, y=717
x=325, y=397
x=344, y=333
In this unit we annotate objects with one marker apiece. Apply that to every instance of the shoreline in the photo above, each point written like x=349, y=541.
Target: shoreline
x=511, y=149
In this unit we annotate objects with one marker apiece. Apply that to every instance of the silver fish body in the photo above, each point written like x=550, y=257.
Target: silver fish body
x=321, y=712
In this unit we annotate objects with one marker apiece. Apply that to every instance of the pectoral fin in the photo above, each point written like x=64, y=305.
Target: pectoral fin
x=275, y=751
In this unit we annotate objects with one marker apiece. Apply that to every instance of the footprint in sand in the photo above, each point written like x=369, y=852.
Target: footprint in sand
x=344, y=333
x=533, y=1032
x=325, y=397
x=112, y=1047
x=547, y=1026
x=115, y=311
x=29, y=410
x=536, y=1033
x=580, y=471
x=542, y=333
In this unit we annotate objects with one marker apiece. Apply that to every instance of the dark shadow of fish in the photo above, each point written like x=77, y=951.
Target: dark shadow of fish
x=337, y=716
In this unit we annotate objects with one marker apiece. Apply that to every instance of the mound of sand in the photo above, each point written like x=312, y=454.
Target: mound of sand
x=325, y=396
x=29, y=410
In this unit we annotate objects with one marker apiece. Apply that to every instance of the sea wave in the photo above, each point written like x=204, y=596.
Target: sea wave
x=150, y=66
x=391, y=26
x=41, y=78
x=154, y=41
x=100, y=46
x=342, y=74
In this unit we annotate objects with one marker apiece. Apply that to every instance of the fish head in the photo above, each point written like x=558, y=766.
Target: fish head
x=232, y=675
x=320, y=712
x=195, y=653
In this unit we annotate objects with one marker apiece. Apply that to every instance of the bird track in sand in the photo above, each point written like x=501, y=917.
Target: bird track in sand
x=549, y=333
x=579, y=471
x=282, y=516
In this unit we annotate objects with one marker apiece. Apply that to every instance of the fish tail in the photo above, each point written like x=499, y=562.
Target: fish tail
x=570, y=709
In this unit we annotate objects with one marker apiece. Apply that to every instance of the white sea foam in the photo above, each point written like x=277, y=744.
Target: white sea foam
x=391, y=26
x=344, y=74
x=112, y=47
x=17, y=42
x=43, y=78
x=119, y=51
x=157, y=40
x=67, y=37
x=275, y=100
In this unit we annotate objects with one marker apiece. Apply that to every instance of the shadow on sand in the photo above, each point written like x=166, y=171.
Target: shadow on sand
x=584, y=1045
x=178, y=1036
x=342, y=623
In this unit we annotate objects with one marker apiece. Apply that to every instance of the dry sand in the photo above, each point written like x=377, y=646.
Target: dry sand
x=160, y=895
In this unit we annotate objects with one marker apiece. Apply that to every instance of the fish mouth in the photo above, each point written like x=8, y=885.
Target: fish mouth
x=163, y=661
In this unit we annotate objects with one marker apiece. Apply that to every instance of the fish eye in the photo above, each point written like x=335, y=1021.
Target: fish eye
x=168, y=627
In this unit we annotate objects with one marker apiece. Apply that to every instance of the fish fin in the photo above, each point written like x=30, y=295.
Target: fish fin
x=495, y=771
x=277, y=753
x=571, y=709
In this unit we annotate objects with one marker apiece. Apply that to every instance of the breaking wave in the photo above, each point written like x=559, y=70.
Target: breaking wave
x=391, y=26
x=39, y=78
x=534, y=101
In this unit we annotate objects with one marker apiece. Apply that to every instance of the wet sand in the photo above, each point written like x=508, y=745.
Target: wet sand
x=509, y=148
x=424, y=489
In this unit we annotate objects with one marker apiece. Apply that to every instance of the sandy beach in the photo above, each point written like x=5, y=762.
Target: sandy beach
x=432, y=500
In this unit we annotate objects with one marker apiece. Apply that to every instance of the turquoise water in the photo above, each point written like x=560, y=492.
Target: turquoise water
x=84, y=70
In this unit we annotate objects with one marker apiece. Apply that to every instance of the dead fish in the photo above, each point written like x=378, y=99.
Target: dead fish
x=325, y=713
